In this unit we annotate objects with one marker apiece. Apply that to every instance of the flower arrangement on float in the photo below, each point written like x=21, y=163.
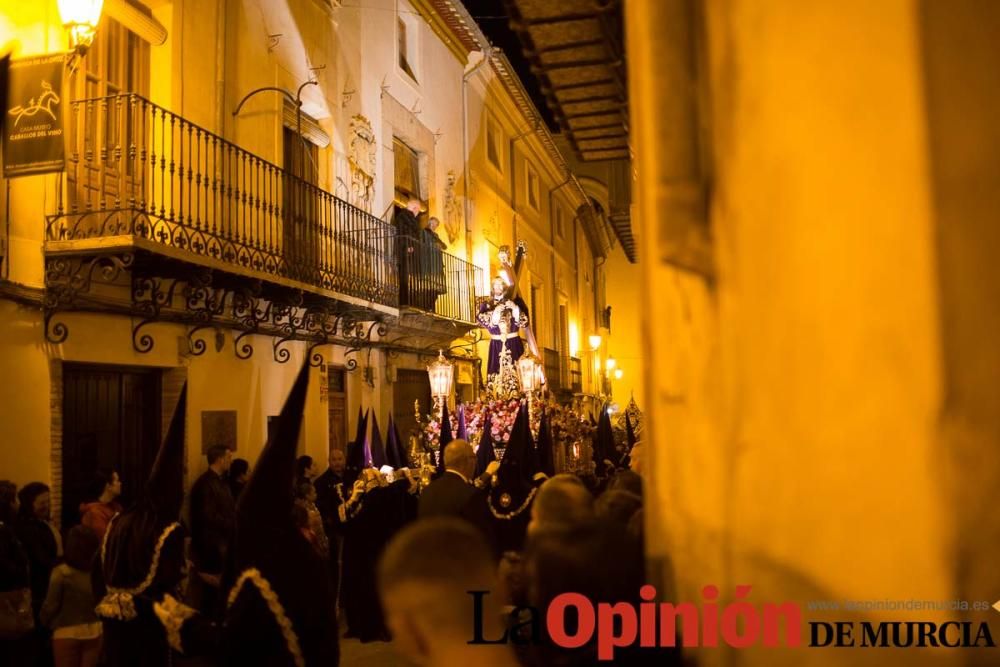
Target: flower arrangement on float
x=570, y=428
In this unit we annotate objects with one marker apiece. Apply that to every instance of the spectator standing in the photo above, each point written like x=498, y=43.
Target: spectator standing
x=68, y=609
x=17, y=641
x=106, y=489
x=213, y=520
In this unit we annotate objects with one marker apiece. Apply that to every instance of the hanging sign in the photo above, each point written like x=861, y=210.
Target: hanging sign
x=33, y=141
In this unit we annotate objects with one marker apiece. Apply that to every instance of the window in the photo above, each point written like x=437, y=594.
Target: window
x=493, y=150
x=407, y=52
x=532, y=184
x=406, y=172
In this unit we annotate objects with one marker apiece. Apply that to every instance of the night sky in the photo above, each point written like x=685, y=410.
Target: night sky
x=492, y=17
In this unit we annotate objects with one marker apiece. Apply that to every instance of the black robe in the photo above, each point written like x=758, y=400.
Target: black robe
x=382, y=512
x=142, y=641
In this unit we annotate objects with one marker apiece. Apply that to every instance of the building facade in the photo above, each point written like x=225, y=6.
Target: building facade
x=225, y=214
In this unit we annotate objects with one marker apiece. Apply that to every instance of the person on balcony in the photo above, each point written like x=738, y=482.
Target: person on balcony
x=407, y=233
x=432, y=282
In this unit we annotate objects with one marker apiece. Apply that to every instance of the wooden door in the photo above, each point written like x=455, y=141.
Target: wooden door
x=336, y=407
x=111, y=420
x=301, y=206
x=410, y=386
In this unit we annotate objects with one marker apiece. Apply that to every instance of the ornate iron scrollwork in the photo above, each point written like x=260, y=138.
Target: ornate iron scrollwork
x=203, y=304
x=149, y=298
x=68, y=278
x=249, y=310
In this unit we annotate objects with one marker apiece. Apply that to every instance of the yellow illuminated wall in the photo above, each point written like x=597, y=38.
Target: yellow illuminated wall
x=797, y=391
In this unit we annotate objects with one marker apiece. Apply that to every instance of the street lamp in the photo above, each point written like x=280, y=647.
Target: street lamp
x=618, y=373
x=530, y=370
x=440, y=373
x=595, y=342
x=610, y=364
x=80, y=18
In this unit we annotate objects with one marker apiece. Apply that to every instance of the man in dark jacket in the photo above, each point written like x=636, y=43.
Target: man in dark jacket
x=454, y=494
x=407, y=235
x=213, y=520
x=328, y=501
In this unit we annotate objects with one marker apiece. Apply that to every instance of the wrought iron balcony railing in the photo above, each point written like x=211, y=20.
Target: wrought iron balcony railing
x=562, y=372
x=435, y=281
x=139, y=171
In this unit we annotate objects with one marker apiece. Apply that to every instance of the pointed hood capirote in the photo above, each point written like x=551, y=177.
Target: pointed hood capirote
x=278, y=609
x=356, y=459
x=546, y=454
x=462, y=430
x=629, y=442
x=378, y=458
x=164, y=490
x=142, y=555
x=485, y=454
x=446, y=436
x=515, y=487
x=395, y=455
x=265, y=504
x=604, y=444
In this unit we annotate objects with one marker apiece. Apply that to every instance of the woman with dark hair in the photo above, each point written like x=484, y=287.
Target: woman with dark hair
x=69, y=606
x=38, y=537
x=16, y=619
x=106, y=488
x=239, y=472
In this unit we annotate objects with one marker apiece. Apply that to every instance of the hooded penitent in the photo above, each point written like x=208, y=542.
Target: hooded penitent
x=395, y=455
x=546, y=454
x=142, y=558
x=604, y=444
x=280, y=610
x=515, y=478
x=355, y=460
x=446, y=437
x=463, y=431
x=629, y=442
x=485, y=454
x=142, y=553
x=377, y=449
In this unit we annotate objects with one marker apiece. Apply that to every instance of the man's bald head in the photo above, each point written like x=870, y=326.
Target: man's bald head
x=424, y=579
x=458, y=456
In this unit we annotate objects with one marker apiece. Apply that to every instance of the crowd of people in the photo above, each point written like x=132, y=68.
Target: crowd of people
x=271, y=566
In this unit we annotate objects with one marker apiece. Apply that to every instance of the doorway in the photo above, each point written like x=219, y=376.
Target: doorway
x=410, y=386
x=111, y=420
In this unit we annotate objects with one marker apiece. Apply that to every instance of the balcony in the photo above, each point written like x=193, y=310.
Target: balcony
x=563, y=373
x=434, y=281
x=155, y=202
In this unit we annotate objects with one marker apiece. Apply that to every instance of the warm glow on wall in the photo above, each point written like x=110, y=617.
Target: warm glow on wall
x=574, y=339
x=481, y=258
x=595, y=342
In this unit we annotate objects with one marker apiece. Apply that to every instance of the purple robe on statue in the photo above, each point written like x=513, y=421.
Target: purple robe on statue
x=512, y=339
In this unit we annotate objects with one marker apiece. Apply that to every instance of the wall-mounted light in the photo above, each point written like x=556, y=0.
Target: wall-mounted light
x=610, y=364
x=80, y=18
x=595, y=342
x=619, y=373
